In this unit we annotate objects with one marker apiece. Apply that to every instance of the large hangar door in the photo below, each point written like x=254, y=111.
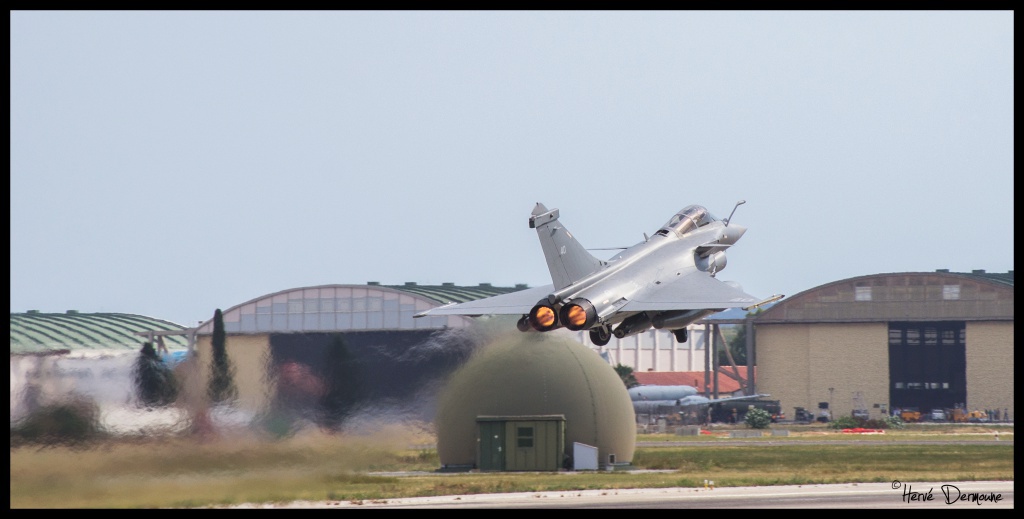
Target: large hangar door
x=927, y=365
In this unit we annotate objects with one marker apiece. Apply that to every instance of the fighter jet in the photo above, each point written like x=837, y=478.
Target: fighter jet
x=664, y=399
x=666, y=281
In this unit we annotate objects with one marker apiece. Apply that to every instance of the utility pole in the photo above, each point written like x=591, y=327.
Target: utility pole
x=830, y=390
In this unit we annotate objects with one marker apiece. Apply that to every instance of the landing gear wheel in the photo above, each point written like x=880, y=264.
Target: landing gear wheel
x=680, y=334
x=523, y=324
x=600, y=335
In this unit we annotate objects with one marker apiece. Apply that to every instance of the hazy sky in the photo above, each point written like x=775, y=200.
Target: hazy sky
x=172, y=163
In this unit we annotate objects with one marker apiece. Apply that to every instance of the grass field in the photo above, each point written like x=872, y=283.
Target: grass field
x=177, y=472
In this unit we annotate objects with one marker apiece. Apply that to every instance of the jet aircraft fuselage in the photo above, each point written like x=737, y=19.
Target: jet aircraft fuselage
x=666, y=281
x=669, y=399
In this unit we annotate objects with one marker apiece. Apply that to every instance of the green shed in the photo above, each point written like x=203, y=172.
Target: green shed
x=521, y=443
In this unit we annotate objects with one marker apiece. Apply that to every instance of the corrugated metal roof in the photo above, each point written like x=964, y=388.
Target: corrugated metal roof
x=311, y=302
x=449, y=293
x=36, y=332
x=1005, y=278
x=901, y=296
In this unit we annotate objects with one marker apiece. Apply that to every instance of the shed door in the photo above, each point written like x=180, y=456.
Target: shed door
x=492, y=444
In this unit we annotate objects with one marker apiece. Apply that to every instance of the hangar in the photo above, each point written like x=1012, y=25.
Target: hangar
x=880, y=342
x=286, y=348
x=54, y=355
x=296, y=327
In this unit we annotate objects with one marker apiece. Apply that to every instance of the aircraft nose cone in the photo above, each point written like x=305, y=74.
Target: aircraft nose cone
x=733, y=233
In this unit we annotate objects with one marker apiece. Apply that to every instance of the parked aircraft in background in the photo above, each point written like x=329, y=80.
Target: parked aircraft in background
x=666, y=399
x=666, y=281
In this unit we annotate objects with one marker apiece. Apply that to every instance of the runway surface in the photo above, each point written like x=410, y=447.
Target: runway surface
x=972, y=495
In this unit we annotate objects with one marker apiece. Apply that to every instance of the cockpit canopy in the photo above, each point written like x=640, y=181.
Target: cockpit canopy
x=690, y=218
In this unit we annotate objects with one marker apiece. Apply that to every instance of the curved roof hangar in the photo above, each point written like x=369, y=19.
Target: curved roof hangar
x=902, y=296
x=373, y=306
x=38, y=333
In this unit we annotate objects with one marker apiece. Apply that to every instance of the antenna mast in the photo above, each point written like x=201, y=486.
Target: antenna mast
x=729, y=219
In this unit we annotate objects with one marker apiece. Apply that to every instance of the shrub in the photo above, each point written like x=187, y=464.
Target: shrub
x=155, y=384
x=850, y=422
x=71, y=422
x=845, y=422
x=758, y=418
x=892, y=422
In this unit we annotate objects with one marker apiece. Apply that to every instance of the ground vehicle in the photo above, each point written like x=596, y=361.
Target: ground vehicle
x=937, y=415
x=910, y=414
x=802, y=415
x=736, y=411
x=977, y=416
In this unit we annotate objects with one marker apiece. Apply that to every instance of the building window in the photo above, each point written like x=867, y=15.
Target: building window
x=950, y=292
x=524, y=437
x=374, y=304
x=862, y=294
x=931, y=336
x=895, y=336
x=948, y=337
x=344, y=305
x=913, y=337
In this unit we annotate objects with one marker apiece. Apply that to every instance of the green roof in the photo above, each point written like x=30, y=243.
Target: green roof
x=36, y=332
x=1005, y=278
x=449, y=293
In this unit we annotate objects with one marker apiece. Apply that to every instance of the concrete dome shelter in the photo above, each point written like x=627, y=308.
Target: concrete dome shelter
x=536, y=375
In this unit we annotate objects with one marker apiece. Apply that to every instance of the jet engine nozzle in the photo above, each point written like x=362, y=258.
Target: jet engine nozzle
x=579, y=314
x=543, y=317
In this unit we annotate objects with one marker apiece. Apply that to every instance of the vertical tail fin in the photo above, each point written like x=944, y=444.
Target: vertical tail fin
x=567, y=260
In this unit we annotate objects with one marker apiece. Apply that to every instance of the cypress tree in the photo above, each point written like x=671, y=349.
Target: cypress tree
x=222, y=385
